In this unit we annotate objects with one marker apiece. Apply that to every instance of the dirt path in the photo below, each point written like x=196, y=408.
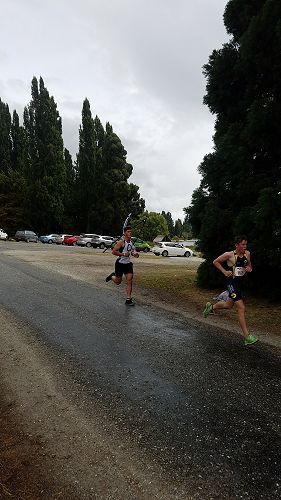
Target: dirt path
x=44, y=429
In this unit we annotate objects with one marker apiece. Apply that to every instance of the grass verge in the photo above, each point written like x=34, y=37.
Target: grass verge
x=178, y=286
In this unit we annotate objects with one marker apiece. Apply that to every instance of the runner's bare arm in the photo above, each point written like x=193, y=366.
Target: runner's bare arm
x=117, y=249
x=223, y=258
x=249, y=265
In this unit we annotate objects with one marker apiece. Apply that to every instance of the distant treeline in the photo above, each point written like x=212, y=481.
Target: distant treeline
x=240, y=191
x=41, y=188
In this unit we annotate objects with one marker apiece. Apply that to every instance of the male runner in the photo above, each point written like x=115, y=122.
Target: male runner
x=238, y=263
x=124, y=248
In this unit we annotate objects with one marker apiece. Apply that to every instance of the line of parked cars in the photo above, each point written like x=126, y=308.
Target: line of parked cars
x=84, y=240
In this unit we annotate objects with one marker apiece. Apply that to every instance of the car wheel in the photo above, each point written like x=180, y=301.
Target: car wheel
x=187, y=254
x=165, y=253
x=50, y=242
x=27, y=241
x=146, y=249
x=102, y=246
x=88, y=244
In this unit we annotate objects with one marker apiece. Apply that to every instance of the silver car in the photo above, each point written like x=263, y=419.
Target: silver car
x=85, y=240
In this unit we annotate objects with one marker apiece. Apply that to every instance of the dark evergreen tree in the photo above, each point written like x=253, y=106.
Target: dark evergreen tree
x=170, y=222
x=19, y=155
x=120, y=197
x=70, y=213
x=5, y=138
x=88, y=188
x=178, y=228
x=240, y=187
x=46, y=177
x=12, y=200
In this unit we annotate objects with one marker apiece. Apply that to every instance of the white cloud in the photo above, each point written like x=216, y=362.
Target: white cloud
x=140, y=65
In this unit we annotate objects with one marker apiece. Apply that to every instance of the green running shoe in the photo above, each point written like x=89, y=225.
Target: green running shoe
x=207, y=310
x=250, y=340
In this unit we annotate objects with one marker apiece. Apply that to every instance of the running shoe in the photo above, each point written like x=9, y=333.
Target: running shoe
x=108, y=278
x=129, y=302
x=250, y=340
x=208, y=309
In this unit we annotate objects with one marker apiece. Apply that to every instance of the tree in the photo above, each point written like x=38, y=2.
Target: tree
x=45, y=177
x=105, y=196
x=87, y=171
x=120, y=196
x=241, y=178
x=170, y=222
x=5, y=137
x=19, y=145
x=150, y=224
x=69, y=219
x=178, y=228
x=12, y=197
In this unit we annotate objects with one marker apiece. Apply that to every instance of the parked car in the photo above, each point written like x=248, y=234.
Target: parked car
x=85, y=240
x=26, y=235
x=141, y=245
x=70, y=240
x=60, y=238
x=171, y=249
x=3, y=235
x=50, y=238
x=102, y=241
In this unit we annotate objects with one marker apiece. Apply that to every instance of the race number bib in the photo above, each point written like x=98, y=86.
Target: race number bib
x=239, y=271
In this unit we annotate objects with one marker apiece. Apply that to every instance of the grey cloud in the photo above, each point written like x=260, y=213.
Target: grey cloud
x=140, y=65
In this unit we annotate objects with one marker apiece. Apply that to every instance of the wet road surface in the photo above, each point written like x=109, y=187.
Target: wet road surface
x=197, y=402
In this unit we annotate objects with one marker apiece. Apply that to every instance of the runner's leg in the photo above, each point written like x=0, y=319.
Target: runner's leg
x=223, y=304
x=241, y=317
x=129, y=279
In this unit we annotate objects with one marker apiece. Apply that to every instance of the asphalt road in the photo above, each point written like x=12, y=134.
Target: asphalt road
x=198, y=403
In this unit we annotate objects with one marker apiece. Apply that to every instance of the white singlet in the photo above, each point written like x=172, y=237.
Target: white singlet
x=127, y=247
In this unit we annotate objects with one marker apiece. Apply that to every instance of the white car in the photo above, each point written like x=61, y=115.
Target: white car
x=171, y=249
x=3, y=235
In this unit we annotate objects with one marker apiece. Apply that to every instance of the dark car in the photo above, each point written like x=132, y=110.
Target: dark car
x=26, y=235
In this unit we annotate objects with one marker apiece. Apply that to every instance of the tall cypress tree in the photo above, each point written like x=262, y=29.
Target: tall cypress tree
x=87, y=189
x=120, y=196
x=19, y=145
x=104, y=196
x=46, y=172
x=241, y=180
x=169, y=219
x=5, y=137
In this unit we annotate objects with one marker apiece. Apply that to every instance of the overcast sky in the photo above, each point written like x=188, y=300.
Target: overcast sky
x=139, y=62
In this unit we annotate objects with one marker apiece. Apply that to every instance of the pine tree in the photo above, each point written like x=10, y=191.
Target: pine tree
x=240, y=187
x=87, y=172
x=19, y=145
x=170, y=222
x=46, y=172
x=69, y=219
x=178, y=228
x=5, y=137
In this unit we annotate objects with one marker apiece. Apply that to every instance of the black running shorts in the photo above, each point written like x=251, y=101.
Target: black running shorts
x=121, y=269
x=234, y=288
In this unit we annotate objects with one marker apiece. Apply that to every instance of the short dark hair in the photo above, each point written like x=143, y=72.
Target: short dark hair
x=240, y=238
x=126, y=228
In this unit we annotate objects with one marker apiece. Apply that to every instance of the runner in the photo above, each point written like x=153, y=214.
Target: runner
x=124, y=248
x=238, y=263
